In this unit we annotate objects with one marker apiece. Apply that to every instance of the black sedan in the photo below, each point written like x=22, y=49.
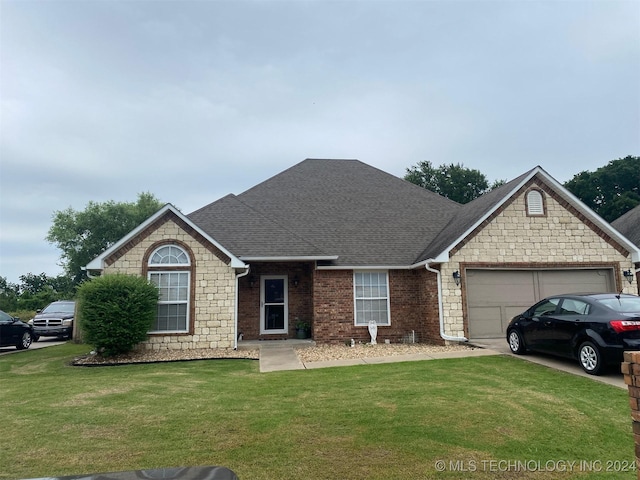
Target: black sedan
x=594, y=329
x=15, y=332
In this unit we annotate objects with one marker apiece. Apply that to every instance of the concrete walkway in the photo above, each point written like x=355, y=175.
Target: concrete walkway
x=275, y=356
x=280, y=355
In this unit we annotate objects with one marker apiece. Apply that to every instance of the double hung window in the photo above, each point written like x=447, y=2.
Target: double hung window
x=371, y=294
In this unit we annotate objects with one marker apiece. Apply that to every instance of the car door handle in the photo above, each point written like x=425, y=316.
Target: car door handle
x=547, y=324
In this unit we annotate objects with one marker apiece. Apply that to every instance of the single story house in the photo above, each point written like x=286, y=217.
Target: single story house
x=629, y=225
x=339, y=244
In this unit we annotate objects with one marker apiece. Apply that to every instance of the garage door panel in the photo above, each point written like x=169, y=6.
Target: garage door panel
x=573, y=281
x=514, y=285
x=496, y=296
x=484, y=322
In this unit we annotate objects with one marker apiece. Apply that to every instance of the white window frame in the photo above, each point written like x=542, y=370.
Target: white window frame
x=386, y=297
x=174, y=302
x=181, y=267
x=182, y=254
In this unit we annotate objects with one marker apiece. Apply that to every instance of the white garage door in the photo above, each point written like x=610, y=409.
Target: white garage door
x=494, y=297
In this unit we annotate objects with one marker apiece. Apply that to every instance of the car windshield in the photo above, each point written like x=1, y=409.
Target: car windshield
x=622, y=304
x=59, y=308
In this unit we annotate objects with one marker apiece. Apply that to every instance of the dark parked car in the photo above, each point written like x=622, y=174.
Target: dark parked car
x=15, y=332
x=594, y=329
x=55, y=320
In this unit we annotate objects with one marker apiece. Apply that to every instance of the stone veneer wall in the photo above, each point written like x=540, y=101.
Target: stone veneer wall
x=213, y=295
x=513, y=238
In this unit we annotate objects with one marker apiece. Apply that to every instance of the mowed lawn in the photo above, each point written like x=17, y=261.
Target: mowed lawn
x=478, y=418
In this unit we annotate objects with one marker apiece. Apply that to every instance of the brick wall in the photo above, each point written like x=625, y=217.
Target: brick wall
x=513, y=237
x=299, y=297
x=631, y=371
x=413, y=301
x=213, y=289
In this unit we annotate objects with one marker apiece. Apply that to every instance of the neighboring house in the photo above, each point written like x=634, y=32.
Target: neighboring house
x=629, y=225
x=338, y=243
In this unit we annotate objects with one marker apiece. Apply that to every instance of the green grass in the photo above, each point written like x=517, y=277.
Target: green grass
x=364, y=422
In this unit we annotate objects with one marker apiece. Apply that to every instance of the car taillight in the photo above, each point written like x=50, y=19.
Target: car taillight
x=624, y=325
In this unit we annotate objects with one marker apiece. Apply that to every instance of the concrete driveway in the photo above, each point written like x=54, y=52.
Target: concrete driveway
x=42, y=343
x=500, y=345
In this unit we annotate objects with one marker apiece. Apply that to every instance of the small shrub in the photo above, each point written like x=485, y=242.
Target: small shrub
x=115, y=312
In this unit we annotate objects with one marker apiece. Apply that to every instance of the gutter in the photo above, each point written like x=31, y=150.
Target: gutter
x=440, y=309
x=235, y=308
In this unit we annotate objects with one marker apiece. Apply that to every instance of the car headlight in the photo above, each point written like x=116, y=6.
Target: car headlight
x=67, y=322
x=30, y=322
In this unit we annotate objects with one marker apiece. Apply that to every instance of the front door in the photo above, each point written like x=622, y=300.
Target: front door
x=274, y=311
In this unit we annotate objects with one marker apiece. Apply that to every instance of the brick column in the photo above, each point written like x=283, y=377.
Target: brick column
x=631, y=370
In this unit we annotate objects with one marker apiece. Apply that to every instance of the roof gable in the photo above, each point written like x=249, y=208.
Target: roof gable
x=474, y=215
x=132, y=237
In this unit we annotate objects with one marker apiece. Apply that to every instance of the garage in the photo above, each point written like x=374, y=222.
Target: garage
x=496, y=296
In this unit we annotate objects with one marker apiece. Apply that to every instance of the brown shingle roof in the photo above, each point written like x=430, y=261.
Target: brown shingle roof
x=330, y=207
x=629, y=225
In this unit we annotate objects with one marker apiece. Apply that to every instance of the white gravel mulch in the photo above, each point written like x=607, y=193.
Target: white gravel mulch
x=316, y=353
x=320, y=353
x=152, y=356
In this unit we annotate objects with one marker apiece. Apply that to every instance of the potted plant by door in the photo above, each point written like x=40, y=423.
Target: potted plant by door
x=302, y=329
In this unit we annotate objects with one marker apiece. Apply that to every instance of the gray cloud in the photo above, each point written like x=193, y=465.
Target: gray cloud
x=194, y=100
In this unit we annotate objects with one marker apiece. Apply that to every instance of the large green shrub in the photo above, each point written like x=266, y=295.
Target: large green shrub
x=116, y=312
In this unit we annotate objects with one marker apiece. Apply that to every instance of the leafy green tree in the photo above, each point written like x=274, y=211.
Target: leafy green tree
x=454, y=182
x=610, y=191
x=83, y=235
x=34, y=292
x=9, y=294
x=115, y=312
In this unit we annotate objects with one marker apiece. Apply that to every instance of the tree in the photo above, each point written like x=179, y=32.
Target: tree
x=37, y=291
x=610, y=191
x=9, y=293
x=83, y=235
x=454, y=182
x=34, y=292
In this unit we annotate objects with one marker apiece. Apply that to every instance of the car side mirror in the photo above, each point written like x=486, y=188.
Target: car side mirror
x=17, y=319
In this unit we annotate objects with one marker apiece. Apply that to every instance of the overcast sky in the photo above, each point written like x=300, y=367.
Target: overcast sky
x=192, y=100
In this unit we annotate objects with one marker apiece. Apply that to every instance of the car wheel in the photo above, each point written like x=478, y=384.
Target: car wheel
x=516, y=343
x=590, y=358
x=25, y=341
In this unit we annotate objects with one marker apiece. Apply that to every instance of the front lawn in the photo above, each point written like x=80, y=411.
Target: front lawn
x=478, y=418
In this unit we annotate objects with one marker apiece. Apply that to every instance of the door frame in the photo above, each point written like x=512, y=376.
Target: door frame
x=285, y=282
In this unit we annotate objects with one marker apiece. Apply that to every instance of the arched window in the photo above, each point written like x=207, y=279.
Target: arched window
x=535, y=203
x=169, y=255
x=169, y=268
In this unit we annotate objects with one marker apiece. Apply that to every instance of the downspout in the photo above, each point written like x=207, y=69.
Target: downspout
x=235, y=308
x=440, y=309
